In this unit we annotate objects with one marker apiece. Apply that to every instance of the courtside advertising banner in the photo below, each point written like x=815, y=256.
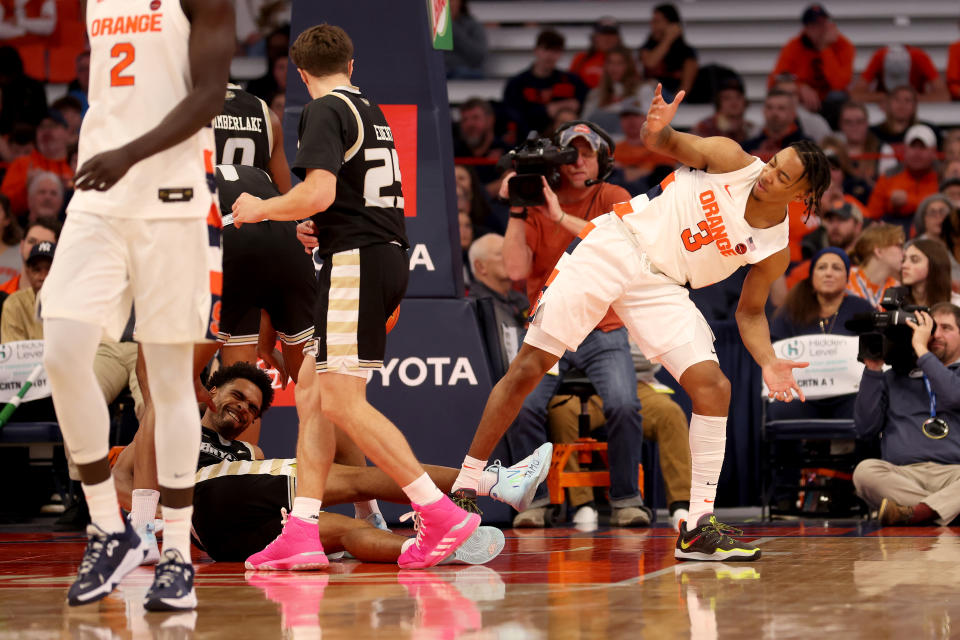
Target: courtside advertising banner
x=397, y=66
x=833, y=369
x=17, y=361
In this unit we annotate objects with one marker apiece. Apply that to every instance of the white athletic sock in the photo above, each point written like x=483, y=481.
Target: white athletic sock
x=470, y=474
x=103, y=505
x=144, y=510
x=176, y=530
x=306, y=509
x=422, y=491
x=487, y=480
x=363, y=510
x=708, y=439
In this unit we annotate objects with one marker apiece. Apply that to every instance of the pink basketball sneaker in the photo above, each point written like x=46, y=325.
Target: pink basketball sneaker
x=441, y=528
x=297, y=548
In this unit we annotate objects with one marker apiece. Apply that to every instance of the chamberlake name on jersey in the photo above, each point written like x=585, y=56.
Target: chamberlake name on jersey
x=239, y=123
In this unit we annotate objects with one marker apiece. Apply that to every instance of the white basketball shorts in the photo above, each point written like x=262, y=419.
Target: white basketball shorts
x=603, y=268
x=164, y=266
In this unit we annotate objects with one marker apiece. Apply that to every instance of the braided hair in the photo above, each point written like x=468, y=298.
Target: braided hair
x=816, y=168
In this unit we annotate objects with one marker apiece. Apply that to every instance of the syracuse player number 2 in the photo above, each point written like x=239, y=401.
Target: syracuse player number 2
x=127, y=54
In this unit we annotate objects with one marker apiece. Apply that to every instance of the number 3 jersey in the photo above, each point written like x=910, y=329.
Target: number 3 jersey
x=139, y=71
x=346, y=134
x=692, y=225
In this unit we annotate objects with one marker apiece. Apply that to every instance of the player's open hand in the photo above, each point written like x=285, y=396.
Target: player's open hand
x=778, y=375
x=307, y=235
x=661, y=112
x=103, y=170
x=247, y=208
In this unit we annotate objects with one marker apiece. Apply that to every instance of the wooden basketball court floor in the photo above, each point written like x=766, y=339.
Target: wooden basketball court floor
x=848, y=580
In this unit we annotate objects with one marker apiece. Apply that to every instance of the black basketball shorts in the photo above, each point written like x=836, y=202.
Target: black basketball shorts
x=358, y=290
x=265, y=267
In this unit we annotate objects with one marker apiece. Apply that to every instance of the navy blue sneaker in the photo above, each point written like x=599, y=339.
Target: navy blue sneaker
x=108, y=558
x=172, y=588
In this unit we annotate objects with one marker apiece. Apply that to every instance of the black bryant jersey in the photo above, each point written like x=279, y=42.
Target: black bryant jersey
x=346, y=134
x=214, y=449
x=242, y=131
x=232, y=180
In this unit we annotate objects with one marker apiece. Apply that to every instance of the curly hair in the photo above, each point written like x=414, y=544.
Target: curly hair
x=816, y=169
x=249, y=372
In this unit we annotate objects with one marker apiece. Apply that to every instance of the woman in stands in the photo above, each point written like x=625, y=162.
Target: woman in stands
x=620, y=81
x=926, y=272
x=666, y=56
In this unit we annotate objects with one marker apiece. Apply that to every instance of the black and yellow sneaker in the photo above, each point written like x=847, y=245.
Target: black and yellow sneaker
x=466, y=499
x=710, y=540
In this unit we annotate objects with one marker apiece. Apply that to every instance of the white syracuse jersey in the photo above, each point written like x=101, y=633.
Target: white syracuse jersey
x=139, y=70
x=692, y=225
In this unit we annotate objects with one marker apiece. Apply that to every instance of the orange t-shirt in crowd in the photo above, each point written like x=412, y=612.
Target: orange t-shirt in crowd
x=922, y=71
x=548, y=240
x=800, y=225
x=15, y=181
x=916, y=188
x=860, y=285
x=640, y=157
x=953, y=70
x=825, y=71
x=12, y=285
x=589, y=68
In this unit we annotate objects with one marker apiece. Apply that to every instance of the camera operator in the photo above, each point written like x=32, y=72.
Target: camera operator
x=536, y=238
x=917, y=481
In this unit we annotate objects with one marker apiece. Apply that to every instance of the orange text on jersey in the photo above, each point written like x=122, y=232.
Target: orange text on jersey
x=710, y=231
x=126, y=24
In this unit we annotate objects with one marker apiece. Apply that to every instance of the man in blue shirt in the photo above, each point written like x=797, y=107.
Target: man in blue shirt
x=918, y=479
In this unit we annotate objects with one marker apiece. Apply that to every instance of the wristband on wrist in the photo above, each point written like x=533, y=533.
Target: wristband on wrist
x=520, y=215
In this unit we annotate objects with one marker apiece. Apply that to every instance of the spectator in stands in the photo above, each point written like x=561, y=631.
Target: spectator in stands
x=637, y=168
x=44, y=196
x=879, y=256
x=841, y=223
x=938, y=219
x=477, y=206
x=950, y=187
x=475, y=138
x=41, y=230
x=18, y=143
x=917, y=479
x=534, y=96
x=536, y=238
x=821, y=59
x=23, y=98
x=277, y=103
x=562, y=117
x=869, y=156
x=926, y=272
x=491, y=281
x=589, y=64
x=72, y=112
x=620, y=82
x=729, y=119
x=275, y=79
x=19, y=319
x=953, y=69
x=900, y=108
x=813, y=125
x=469, y=54
x=10, y=236
x=895, y=198
x=898, y=65
x=81, y=84
x=664, y=422
x=780, y=127
x=818, y=304
x=850, y=183
x=666, y=57
x=50, y=155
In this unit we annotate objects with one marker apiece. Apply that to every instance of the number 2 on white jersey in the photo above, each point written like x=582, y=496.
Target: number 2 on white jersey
x=381, y=177
x=127, y=54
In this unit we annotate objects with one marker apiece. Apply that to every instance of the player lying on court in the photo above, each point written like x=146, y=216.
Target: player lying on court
x=723, y=210
x=239, y=495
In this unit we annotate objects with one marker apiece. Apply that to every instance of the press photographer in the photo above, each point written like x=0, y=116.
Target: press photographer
x=917, y=481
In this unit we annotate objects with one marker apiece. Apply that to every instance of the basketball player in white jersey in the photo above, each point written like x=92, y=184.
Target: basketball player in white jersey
x=725, y=209
x=137, y=230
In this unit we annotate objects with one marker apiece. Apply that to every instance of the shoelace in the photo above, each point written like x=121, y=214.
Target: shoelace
x=418, y=525
x=92, y=554
x=721, y=529
x=284, y=516
x=168, y=572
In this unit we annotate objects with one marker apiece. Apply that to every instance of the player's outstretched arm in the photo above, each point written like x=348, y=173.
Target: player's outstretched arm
x=755, y=332
x=715, y=154
x=212, y=42
x=314, y=195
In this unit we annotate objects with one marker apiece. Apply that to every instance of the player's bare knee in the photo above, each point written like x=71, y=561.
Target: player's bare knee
x=710, y=394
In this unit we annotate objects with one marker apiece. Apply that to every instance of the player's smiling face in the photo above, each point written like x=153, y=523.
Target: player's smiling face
x=781, y=179
x=238, y=404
